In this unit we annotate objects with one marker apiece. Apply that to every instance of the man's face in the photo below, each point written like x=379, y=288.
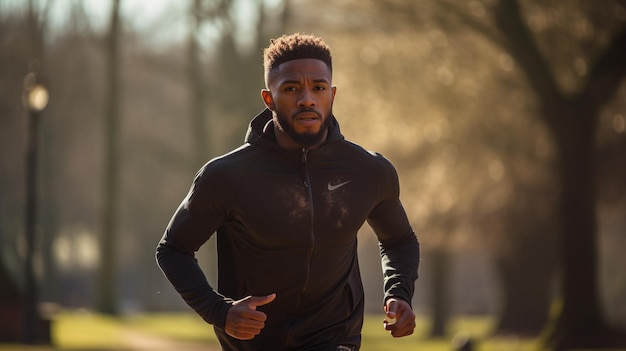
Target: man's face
x=301, y=98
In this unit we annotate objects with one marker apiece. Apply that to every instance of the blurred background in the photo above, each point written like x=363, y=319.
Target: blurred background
x=506, y=121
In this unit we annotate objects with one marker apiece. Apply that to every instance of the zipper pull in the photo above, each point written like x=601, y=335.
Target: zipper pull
x=305, y=152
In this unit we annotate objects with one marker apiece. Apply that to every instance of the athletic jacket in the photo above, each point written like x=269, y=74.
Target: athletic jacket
x=286, y=223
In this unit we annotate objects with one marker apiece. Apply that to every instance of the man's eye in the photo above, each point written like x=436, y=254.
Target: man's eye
x=320, y=87
x=290, y=89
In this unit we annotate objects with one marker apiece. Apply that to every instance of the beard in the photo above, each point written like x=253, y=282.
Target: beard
x=302, y=139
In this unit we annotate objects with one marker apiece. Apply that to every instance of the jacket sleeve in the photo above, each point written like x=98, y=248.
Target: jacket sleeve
x=195, y=220
x=398, y=244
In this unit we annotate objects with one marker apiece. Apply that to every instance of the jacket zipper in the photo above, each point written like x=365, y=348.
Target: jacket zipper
x=307, y=184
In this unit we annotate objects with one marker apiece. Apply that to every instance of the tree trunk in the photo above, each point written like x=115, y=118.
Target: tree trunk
x=107, y=286
x=580, y=323
x=440, y=273
x=196, y=89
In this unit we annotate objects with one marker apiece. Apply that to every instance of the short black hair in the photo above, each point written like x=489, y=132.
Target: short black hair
x=295, y=46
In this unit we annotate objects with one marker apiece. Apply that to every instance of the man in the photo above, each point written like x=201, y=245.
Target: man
x=287, y=206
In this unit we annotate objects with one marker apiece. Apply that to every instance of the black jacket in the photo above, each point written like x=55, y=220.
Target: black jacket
x=287, y=223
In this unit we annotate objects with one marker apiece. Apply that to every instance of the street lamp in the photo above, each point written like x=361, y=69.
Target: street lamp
x=35, y=99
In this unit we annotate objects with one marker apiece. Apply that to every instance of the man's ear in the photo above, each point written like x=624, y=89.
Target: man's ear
x=267, y=99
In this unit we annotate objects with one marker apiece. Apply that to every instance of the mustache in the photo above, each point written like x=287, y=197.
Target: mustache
x=307, y=110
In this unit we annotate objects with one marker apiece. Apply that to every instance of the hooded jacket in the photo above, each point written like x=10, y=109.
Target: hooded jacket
x=287, y=223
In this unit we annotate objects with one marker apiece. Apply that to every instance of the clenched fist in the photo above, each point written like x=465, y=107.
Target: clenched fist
x=401, y=313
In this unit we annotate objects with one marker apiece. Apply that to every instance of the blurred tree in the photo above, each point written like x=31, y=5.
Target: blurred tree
x=107, y=300
x=199, y=12
x=440, y=258
x=569, y=105
x=571, y=118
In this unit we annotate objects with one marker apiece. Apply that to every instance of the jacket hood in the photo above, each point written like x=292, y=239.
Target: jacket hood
x=261, y=130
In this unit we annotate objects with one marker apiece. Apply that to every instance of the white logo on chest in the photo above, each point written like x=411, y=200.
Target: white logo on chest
x=337, y=186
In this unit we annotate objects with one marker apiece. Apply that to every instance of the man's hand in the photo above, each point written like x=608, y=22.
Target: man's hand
x=401, y=312
x=243, y=321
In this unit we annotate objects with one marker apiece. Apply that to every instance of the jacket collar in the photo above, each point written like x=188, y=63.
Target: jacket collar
x=261, y=130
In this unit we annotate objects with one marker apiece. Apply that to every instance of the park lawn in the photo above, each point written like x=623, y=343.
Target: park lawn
x=375, y=338
x=179, y=326
x=86, y=331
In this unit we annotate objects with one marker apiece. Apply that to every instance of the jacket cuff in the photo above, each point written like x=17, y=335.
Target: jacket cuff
x=400, y=291
x=218, y=316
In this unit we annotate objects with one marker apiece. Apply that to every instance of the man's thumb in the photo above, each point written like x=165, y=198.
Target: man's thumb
x=260, y=300
x=390, y=311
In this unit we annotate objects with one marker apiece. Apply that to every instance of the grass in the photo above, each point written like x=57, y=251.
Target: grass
x=93, y=332
x=375, y=338
x=180, y=326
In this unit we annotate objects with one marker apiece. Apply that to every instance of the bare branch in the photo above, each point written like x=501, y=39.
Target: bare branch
x=607, y=73
x=520, y=44
x=472, y=22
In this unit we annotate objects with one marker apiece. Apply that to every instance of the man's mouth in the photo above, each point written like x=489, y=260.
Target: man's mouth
x=308, y=119
x=308, y=116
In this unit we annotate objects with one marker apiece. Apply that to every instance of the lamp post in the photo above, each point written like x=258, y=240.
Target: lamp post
x=35, y=99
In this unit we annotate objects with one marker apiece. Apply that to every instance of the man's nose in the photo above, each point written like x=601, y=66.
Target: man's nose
x=306, y=99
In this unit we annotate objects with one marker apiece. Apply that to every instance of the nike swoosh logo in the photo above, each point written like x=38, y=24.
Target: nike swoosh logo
x=335, y=187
